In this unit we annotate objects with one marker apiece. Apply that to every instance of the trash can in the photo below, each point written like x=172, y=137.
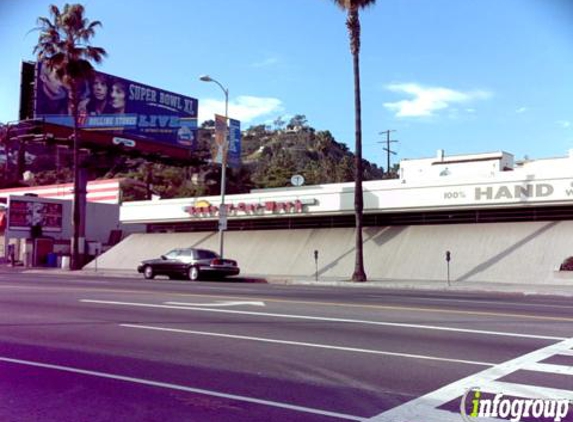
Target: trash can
x=65, y=262
x=52, y=260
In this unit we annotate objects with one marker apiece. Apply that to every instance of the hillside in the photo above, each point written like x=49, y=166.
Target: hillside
x=270, y=157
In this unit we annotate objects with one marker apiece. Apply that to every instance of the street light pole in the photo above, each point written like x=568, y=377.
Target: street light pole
x=222, y=207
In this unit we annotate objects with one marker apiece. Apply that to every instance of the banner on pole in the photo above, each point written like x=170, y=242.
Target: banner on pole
x=234, y=157
x=219, y=147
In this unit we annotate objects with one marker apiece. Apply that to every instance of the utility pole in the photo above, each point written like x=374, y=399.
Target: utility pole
x=387, y=149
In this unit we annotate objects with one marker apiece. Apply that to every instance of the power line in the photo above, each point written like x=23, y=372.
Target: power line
x=388, y=141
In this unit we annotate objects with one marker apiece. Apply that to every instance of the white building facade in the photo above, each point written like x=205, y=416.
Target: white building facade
x=477, y=188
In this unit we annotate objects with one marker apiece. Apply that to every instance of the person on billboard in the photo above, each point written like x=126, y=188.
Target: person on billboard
x=99, y=99
x=118, y=97
x=53, y=95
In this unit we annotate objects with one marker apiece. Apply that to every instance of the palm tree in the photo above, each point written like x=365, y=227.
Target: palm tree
x=353, y=24
x=64, y=46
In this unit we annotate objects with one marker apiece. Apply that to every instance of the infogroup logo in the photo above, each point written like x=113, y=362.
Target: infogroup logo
x=509, y=407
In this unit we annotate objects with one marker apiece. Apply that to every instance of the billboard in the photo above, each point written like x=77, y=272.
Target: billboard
x=113, y=104
x=23, y=214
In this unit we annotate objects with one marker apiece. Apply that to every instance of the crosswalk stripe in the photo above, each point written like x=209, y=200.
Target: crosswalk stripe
x=426, y=407
x=526, y=391
x=549, y=368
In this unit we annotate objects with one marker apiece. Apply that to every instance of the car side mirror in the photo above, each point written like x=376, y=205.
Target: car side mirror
x=163, y=257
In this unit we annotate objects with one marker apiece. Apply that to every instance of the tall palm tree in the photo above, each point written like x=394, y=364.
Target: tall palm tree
x=64, y=46
x=353, y=24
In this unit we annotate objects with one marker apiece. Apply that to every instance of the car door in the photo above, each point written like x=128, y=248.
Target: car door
x=167, y=264
x=184, y=258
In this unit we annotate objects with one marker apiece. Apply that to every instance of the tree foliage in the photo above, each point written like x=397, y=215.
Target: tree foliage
x=270, y=158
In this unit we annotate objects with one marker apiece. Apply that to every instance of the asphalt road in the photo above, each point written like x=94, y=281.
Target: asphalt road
x=87, y=349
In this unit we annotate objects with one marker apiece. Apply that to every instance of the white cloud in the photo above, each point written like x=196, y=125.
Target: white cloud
x=521, y=110
x=428, y=100
x=564, y=124
x=243, y=108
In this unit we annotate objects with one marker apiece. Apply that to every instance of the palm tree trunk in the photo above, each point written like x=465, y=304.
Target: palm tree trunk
x=354, y=28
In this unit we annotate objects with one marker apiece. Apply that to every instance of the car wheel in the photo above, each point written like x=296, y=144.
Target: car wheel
x=193, y=273
x=148, y=272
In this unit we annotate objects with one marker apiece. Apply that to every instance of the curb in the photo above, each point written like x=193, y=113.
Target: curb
x=409, y=285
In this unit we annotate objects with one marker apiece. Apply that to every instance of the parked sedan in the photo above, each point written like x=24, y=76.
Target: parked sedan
x=189, y=263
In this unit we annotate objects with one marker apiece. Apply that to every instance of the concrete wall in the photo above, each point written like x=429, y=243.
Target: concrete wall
x=100, y=220
x=503, y=252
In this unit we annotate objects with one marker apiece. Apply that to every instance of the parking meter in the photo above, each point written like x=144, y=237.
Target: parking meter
x=316, y=264
x=448, y=259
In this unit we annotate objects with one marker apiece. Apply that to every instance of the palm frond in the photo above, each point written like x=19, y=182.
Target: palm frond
x=55, y=12
x=96, y=53
x=44, y=23
x=79, y=70
x=353, y=4
x=95, y=24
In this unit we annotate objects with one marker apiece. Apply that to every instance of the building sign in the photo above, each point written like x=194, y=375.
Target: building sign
x=524, y=192
x=380, y=196
x=205, y=209
x=540, y=190
x=22, y=215
x=119, y=105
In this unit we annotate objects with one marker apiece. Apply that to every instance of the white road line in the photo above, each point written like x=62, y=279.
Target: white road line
x=218, y=304
x=438, y=415
x=315, y=318
x=423, y=407
x=526, y=390
x=182, y=388
x=305, y=344
x=491, y=302
x=549, y=368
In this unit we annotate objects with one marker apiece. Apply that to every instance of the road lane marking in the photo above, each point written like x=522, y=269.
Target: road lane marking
x=527, y=390
x=486, y=302
x=549, y=368
x=170, y=386
x=335, y=304
x=387, y=307
x=426, y=407
x=217, y=304
x=305, y=344
x=327, y=319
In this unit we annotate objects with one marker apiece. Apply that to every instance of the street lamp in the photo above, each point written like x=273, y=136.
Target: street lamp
x=222, y=208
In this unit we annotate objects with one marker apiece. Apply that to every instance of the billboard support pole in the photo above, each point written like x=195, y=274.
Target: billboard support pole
x=77, y=217
x=222, y=207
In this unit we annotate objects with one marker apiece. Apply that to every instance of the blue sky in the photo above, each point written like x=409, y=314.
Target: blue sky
x=463, y=75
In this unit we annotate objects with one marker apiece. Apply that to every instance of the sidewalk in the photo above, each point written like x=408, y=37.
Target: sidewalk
x=564, y=289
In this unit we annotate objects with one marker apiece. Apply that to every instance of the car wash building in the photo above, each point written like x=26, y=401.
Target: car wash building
x=501, y=220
